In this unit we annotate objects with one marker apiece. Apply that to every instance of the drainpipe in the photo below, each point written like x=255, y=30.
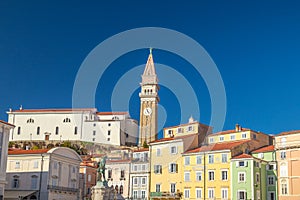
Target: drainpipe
x=41, y=175
x=204, y=178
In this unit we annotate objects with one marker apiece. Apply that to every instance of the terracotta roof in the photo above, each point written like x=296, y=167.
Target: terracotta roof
x=53, y=110
x=242, y=156
x=111, y=113
x=37, y=151
x=141, y=150
x=230, y=131
x=173, y=138
x=217, y=146
x=4, y=122
x=289, y=132
x=264, y=149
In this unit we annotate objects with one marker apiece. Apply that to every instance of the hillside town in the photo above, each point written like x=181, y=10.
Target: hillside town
x=55, y=154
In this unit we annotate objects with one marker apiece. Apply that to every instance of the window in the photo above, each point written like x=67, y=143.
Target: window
x=254, y=136
x=157, y=188
x=211, y=175
x=244, y=135
x=242, y=177
x=198, y=160
x=121, y=189
x=56, y=130
x=122, y=175
x=143, y=180
x=260, y=155
x=283, y=141
x=241, y=164
x=224, y=193
x=143, y=167
x=186, y=193
x=211, y=140
x=67, y=120
x=143, y=194
x=172, y=167
x=75, y=130
x=109, y=173
x=258, y=194
x=187, y=176
x=15, y=182
x=135, y=193
x=19, y=130
x=157, y=169
x=94, y=132
x=211, y=193
x=221, y=138
x=190, y=128
x=108, y=139
x=158, y=152
x=271, y=196
x=180, y=130
x=210, y=159
x=38, y=130
x=241, y=195
x=17, y=166
x=271, y=167
x=117, y=189
x=271, y=180
x=284, y=188
x=30, y=120
x=232, y=137
x=108, y=132
x=257, y=177
x=187, y=160
x=34, y=182
x=173, y=150
x=224, y=175
x=135, y=181
x=36, y=164
x=198, y=193
x=173, y=188
x=198, y=176
x=170, y=133
x=283, y=155
x=224, y=158
x=89, y=178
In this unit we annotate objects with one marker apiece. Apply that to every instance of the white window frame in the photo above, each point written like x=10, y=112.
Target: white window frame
x=172, y=169
x=224, y=197
x=157, y=187
x=209, y=159
x=187, y=193
x=272, y=177
x=214, y=178
x=171, y=150
x=238, y=194
x=187, y=160
x=196, y=173
x=226, y=155
x=211, y=140
x=244, y=135
x=197, y=159
x=269, y=195
x=221, y=138
x=226, y=175
x=172, y=184
x=244, y=173
x=185, y=176
x=232, y=137
x=158, y=152
x=17, y=165
x=197, y=192
x=211, y=191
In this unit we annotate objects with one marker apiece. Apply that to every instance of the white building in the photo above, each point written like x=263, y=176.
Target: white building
x=4, y=135
x=113, y=128
x=139, y=175
x=43, y=174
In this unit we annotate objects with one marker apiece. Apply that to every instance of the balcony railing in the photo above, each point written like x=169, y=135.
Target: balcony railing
x=59, y=188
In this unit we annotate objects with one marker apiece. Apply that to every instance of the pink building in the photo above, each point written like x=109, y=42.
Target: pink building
x=287, y=146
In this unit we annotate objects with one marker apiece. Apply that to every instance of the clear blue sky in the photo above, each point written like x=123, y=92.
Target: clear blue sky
x=255, y=45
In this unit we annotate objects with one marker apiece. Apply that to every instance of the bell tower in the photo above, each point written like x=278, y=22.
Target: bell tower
x=149, y=100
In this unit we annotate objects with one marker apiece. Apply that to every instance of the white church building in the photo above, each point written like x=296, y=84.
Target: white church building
x=87, y=125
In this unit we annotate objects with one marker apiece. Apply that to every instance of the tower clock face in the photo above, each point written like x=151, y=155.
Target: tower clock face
x=147, y=111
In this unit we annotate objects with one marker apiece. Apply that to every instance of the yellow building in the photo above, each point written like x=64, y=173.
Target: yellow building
x=166, y=167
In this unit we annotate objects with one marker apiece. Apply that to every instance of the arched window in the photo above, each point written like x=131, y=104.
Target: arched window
x=56, y=130
x=38, y=130
x=121, y=189
x=67, y=120
x=75, y=130
x=34, y=181
x=19, y=130
x=117, y=189
x=15, y=182
x=30, y=120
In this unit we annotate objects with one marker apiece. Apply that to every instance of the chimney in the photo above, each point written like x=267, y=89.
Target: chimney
x=238, y=128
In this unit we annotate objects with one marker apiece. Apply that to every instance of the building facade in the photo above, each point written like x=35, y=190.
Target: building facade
x=43, y=174
x=86, y=125
x=149, y=100
x=140, y=175
x=287, y=146
x=87, y=177
x=4, y=136
x=268, y=154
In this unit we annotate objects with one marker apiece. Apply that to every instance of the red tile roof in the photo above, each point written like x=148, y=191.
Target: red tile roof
x=242, y=156
x=229, y=131
x=141, y=150
x=218, y=146
x=264, y=149
x=18, y=151
x=4, y=122
x=112, y=113
x=289, y=132
x=53, y=110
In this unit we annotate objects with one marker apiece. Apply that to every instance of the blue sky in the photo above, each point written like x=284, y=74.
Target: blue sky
x=255, y=45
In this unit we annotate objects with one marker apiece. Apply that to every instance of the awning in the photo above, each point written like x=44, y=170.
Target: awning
x=15, y=194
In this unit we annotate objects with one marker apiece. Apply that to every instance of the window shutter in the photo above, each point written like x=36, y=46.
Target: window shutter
x=237, y=163
x=176, y=168
x=245, y=195
x=246, y=163
x=160, y=169
x=170, y=167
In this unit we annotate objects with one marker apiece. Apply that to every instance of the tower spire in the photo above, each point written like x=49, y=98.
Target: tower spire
x=149, y=76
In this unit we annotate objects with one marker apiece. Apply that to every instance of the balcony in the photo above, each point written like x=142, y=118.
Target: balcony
x=59, y=188
x=165, y=195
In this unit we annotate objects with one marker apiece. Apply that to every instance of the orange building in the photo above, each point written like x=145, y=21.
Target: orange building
x=287, y=146
x=88, y=177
